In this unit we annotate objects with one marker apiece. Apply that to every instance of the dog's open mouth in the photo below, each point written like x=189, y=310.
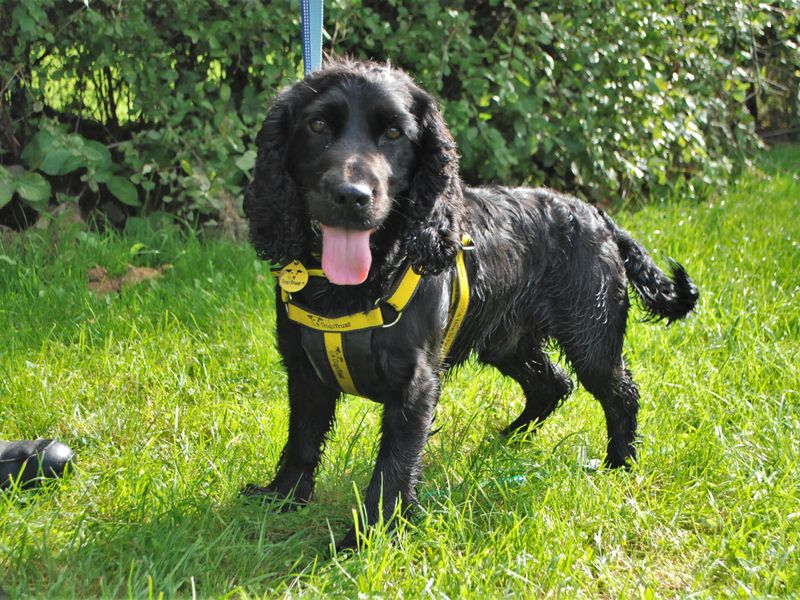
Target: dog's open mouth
x=346, y=256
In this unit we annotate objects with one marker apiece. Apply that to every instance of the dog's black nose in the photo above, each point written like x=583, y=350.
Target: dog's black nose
x=353, y=195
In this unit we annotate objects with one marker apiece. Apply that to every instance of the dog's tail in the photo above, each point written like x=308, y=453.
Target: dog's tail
x=662, y=296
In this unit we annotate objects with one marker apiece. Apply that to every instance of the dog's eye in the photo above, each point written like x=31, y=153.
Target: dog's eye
x=317, y=125
x=393, y=132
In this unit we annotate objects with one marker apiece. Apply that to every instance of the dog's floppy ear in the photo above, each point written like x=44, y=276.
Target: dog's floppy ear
x=278, y=230
x=436, y=203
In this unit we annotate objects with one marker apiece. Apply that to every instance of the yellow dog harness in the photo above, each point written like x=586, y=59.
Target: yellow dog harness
x=339, y=347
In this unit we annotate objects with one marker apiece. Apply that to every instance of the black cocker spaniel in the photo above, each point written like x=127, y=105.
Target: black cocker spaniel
x=357, y=178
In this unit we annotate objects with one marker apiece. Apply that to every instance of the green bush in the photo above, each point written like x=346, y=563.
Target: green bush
x=146, y=106
x=611, y=99
x=175, y=90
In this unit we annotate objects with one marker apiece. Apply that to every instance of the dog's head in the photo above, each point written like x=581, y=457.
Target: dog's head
x=356, y=153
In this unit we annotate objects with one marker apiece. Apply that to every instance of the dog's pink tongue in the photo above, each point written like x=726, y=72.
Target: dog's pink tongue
x=345, y=255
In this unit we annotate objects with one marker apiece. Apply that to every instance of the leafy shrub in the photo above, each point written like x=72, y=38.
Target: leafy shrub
x=774, y=97
x=147, y=106
x=610, y=99
x=173, y=92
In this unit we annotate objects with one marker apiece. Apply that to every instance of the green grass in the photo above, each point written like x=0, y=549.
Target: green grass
x=173, y=396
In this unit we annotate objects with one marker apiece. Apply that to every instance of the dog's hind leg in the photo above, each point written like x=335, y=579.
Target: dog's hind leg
x=619, y=396
x=544, y=384
x=595, y=350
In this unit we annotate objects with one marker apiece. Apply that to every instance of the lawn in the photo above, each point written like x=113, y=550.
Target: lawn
x=172, y=394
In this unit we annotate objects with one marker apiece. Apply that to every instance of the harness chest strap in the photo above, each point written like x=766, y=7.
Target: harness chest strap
x=333, y=329
x=334, y=349
x=400, y=296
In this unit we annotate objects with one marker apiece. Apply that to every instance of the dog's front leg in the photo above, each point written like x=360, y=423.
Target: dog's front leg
x=407, y=416
x=312, y=407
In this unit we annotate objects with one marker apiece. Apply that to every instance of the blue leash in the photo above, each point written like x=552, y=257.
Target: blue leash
x=311, y=13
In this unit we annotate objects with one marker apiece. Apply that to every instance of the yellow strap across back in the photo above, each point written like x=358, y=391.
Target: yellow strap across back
x=458, y=304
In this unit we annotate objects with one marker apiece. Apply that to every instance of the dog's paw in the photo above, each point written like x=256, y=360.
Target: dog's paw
x=251, y=490
x=270, y=495
x=349, y=543
x=518, y=434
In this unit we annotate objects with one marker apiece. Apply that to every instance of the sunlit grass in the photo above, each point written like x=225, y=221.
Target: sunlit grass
x=173, y=396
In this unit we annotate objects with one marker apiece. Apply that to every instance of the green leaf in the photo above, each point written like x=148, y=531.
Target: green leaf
x=97, y=154
x=34, y=188
x=24, y=20
x=34, y=152
x=102, y=175
x=7, y=187
x=124, y=190
x=60, y=161
x=247, y=161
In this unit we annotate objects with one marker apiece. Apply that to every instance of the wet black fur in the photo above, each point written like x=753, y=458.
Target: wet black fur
x=546, y=267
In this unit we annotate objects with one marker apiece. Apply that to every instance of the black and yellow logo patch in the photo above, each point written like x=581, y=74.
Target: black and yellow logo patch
x=293, y=277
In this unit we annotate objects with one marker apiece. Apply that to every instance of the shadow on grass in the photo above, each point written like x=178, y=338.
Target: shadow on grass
x=209, y=544
x=196, y=548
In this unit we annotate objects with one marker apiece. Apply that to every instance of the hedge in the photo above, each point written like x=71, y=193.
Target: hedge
x=142, y=107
